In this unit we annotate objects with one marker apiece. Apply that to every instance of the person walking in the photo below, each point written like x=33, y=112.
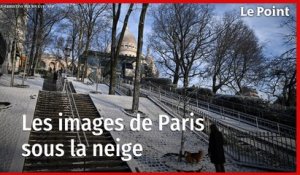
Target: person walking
x=215, y=148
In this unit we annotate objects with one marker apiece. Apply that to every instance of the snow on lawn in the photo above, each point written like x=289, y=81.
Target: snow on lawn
x=22, y=101
x=155, y=143
x=33, y=82
x=87, y=86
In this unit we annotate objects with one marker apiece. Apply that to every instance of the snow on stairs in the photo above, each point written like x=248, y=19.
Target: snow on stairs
x=49, y=104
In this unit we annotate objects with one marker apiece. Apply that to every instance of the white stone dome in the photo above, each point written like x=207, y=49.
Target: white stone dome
x=128, y=46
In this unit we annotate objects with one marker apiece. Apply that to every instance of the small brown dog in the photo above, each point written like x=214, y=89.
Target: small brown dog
x=193, y=157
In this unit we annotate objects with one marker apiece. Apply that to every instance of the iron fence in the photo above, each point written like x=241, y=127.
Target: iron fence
x=258, y=122
x=272, y=148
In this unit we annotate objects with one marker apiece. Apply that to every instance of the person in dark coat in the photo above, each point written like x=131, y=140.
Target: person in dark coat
x=215, y=149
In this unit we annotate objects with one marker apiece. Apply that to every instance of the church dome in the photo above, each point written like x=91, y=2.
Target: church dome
x=128, y=46
x=128, y=37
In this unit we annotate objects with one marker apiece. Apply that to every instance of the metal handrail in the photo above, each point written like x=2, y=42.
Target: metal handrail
x=222, y=100
x=243, y=117
x=275, y=152
x=71, y=99
x=72, y=112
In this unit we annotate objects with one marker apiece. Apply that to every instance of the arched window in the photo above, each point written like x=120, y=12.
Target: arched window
x=41, y=65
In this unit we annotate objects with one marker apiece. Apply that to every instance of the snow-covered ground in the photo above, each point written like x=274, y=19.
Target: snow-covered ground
x=22, y=101
x=87, y=87
x=155, y=143
x=33, y=82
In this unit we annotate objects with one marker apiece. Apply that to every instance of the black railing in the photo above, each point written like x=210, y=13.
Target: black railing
x=273, y=148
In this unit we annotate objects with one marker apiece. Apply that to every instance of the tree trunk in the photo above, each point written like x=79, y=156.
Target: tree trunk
x=113, y=63
x=33, y=44
x=291, y=91
x=137, y=80
x=176, y=75
x=72, y=52
x=79, y=49
x=87, y=45
x=185, y=86
x=214, y=79
x=39, y=43
x=215, y=87
x=114, y=60
x=13, y=57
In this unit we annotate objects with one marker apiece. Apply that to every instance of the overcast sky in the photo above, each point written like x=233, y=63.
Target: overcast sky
x=267, y=29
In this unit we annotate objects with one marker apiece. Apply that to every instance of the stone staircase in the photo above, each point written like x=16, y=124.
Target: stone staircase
x=49, y=104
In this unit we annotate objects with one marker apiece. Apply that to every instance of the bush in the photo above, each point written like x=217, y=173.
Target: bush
x=256, y=107
x=197, y=92
x=164, y=83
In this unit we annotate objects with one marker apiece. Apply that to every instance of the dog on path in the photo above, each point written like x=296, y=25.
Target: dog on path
x=193, y=157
